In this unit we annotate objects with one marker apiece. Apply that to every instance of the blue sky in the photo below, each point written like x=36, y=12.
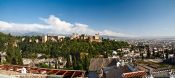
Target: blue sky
x=131, y=17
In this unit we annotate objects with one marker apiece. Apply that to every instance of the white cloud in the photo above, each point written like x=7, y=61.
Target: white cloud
x=22, y=28
x=59, y=24
x=4, y=25
x=54, y=25
x=111, y=33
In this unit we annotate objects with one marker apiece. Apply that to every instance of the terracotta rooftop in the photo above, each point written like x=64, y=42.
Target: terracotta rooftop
x=134, y=74
x=45, y=71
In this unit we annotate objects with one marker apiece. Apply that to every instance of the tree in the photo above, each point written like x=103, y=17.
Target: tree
x=74, y=62
x=3, y=41
x=153, y=53
x=148, y=51
x=13, y=53
x=85, y=63
x=166, y=54
x=142, y=56
x=68, y=64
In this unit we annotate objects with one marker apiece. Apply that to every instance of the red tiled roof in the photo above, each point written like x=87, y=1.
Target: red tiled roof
x=70, y=73
x=134, y=74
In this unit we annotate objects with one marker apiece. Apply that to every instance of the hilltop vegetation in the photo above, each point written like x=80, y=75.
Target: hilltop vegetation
x=80, y=50
x=9, y=46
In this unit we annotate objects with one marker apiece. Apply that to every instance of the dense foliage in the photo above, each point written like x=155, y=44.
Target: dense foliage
x=8, y=45
x=80, y=50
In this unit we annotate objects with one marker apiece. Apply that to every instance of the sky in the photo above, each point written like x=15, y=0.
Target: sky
x=128, y=18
